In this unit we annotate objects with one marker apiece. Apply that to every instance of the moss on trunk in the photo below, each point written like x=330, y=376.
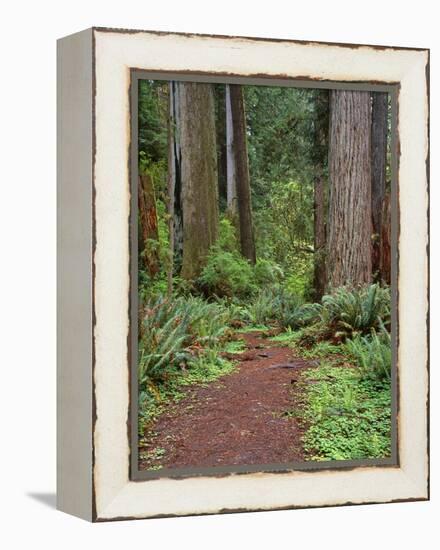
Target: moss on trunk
x=199, y=175
x=350, y=227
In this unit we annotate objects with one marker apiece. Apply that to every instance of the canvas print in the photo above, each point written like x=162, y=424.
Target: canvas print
x=264, y=275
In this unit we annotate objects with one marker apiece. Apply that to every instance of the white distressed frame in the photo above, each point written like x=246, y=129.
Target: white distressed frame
x=114, y=495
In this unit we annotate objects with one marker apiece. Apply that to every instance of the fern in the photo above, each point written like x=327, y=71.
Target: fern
x=171, y=329
x=356, y=311
x=372, y=354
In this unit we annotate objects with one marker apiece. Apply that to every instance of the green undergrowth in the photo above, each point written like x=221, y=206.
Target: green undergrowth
x=350, y=417
x=288, y=337
x=343, y=403
x=235, y=346
x=347, y=417
x=181, y=344
x=152, y=457
x=321, y=349
x=253, y=328
x=345, y=400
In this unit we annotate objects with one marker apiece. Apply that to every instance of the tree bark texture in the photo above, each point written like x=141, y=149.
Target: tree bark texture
x=231, y=176
x=349, y=235
x=379, y=128
x=319, y=221
x=247, y=241
x=148, y=223
x=175, y=175
x=220, y=106
x=319, y=158
x=231, y=182
x=385, y=241
x=198, y=174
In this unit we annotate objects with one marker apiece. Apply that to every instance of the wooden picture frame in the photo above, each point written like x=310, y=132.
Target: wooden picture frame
x=97, y=476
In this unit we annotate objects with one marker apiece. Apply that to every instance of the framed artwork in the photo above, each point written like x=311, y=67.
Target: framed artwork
x=242, y=274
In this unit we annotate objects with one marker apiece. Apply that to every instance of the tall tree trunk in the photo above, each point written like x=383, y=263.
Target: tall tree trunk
x=231, y=177
x=319, y=159
x=319, y=221
x=247, y=241
x=199, y=175
x=148, y=223
x=175, y=176
x=385, y=240
x=379, y=128
x=231, y=182
x=349, y=236
x=220, y=108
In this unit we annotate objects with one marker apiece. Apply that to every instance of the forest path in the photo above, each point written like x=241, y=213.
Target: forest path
x=237, y=419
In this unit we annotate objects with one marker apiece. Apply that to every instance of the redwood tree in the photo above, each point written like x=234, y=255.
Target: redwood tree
x=148, y=223
x=175, y=174
x=242, y=179
x=220, y=124
x=319, y=226
x=385, y=240
x=350, y=228
x=320, y=189
x=379, y=129
x=199, y=186
x=231, y=180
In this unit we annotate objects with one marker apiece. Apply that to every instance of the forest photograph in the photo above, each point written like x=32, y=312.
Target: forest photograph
x=264, y=275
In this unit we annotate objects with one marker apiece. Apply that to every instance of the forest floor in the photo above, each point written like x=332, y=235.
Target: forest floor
x=237, y=419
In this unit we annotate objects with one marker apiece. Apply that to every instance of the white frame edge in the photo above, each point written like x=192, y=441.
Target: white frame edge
x=115, y=53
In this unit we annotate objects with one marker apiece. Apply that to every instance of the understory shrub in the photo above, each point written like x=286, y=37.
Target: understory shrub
x=227, y=236
x=344, y=314
x=227, y=274
x=180, y=341
x=314, y=333
x=261, y=310
x=349, y=312
x=372, y=354
x=267, y=273
x=276, y=305
x=293, y=313
x=299, y=282
x=172, y=332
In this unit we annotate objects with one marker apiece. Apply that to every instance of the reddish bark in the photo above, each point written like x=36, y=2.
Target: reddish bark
x=243, y=186
x=379, y=129
x=385, y=241
x=199, y=190
x=148, y=222
x=350, y=226
x=319, y=218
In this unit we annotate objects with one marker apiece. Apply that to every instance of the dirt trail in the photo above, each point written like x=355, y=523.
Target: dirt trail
x=238, y=419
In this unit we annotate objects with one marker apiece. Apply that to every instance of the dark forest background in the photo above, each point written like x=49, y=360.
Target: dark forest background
x=284, y=164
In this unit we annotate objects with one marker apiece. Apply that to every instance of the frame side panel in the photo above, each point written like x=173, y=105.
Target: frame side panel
x=74, y=273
